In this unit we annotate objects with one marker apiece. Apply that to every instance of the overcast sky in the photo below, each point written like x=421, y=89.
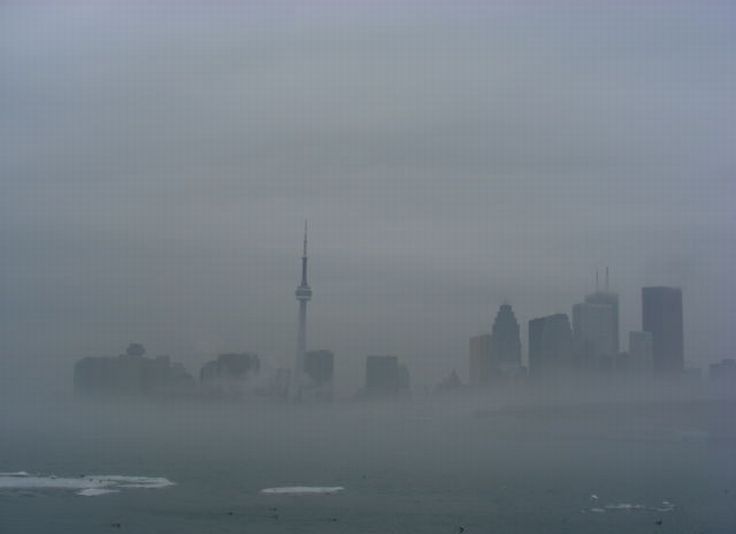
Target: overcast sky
x=158, y=159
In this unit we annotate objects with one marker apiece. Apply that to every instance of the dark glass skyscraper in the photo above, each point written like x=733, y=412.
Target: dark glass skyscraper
x=505, y=340
x=662, y=317
x=550, y=346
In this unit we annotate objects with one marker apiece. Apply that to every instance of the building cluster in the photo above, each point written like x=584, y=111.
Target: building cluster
x=131, y=374
x=588, y=345
x=559, y=348
x=496, y=357
x=385, y=376
x=229, y=376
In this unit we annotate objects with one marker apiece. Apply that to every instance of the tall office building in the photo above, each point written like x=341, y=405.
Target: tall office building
x=550, y=346
x=610, y=299
x=479, y=356
x=593, y=335
x=662, y=317
x=505, y=341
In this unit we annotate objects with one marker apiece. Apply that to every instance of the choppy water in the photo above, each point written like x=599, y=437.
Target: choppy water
x=418, y=467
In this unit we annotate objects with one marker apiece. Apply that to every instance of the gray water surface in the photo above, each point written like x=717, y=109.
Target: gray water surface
x=406, y=467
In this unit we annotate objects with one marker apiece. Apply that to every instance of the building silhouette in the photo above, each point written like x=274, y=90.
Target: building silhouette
x=230, y=375
x=595, y=327
x=319, y=372
x=593, y=330
x=662, y=316
x=550, y=346
x=303, y=295
x=505, y=345
x=384, y=376
x=610, y=299
x=131, y=374
x=479, y=359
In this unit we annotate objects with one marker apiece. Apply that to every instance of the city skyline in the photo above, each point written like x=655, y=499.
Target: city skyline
x=561, y=347
x=510, y=310
x=141, y=202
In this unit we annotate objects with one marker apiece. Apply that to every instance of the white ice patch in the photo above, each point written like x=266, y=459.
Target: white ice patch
x=136, y=482
x=302, y=490
x=88, y=485
x=625, y=506
x=666, y=506
x=94, y=492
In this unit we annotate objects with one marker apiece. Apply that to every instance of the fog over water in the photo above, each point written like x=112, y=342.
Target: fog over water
x=158, y=160
x=421, y=466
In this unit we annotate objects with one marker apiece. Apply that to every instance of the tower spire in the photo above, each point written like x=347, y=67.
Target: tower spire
x=305, y=239
x=304, y=258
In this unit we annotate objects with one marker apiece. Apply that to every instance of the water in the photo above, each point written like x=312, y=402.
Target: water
x=407, y=467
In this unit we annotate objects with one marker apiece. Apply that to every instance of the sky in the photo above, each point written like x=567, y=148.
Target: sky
x=158, y=159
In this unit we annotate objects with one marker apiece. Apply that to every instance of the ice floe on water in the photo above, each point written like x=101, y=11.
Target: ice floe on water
x=664, y=506
x=137, y=482
x=85, y=485
x=303, y=490
x=94, y=492
x=625, y=506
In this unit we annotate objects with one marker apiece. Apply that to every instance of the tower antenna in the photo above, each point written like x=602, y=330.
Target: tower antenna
x=305, y=238
x=596, y=280
x=606, y=277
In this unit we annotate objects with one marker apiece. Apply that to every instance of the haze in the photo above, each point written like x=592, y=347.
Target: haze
x=158, y=160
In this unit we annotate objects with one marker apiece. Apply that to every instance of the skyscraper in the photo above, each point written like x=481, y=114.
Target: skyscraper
x=662, y=317
x=610, y=299
x=303, y=295
x=593, y=335
x=479, y=356
x=505, y=343
x=550, y=346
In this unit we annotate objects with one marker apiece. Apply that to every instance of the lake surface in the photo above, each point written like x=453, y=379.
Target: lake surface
x=424, y=466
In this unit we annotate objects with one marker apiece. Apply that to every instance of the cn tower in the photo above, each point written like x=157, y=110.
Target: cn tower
x=303, y=295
